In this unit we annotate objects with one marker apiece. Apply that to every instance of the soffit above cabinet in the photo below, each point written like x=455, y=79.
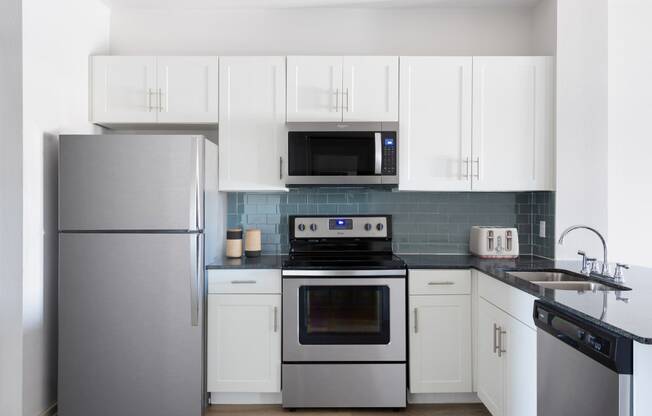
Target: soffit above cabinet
x=282, y=4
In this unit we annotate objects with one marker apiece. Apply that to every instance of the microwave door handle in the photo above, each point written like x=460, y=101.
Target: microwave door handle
x=379, y=155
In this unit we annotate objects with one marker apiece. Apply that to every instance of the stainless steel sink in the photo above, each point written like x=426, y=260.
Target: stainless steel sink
x=560, y=280
x=577, y=286
x=547, y=276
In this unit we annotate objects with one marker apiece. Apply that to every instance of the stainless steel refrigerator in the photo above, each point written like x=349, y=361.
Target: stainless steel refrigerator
x=132, y=233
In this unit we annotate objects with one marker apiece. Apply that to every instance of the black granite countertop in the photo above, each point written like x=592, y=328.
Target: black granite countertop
x=262, y=262
x=627, y=312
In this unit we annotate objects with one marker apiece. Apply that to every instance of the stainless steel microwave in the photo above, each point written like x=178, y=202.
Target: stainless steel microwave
x=342, y=158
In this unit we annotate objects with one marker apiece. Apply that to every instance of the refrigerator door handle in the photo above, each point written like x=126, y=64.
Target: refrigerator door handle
x=196, y=268
x=199, y=168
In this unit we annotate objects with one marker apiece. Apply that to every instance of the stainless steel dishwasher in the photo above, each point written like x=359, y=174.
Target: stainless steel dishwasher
x=582, y=369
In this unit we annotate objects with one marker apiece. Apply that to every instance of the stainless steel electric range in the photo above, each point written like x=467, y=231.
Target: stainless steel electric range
x=344, y=314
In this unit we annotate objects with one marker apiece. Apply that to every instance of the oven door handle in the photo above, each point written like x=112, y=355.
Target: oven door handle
x=344, y=273
x=379, y=154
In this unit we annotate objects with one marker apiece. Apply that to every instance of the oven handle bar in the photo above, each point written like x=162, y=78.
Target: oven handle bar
x=375, y=273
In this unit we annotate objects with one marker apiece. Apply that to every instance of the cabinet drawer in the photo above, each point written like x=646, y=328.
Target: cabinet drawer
x=439, y=282
x=515, y=302
x=244, y=281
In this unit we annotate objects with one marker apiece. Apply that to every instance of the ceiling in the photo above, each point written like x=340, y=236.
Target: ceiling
x=280, y=4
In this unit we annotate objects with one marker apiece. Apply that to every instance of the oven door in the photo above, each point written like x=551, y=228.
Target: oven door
x=341, y=158
x=344, y=319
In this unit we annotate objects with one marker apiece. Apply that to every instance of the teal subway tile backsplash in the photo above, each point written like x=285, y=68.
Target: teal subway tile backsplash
x=424, y=222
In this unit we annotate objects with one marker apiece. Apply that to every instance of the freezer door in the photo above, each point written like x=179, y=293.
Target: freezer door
x=130, y=324
x=131, y=182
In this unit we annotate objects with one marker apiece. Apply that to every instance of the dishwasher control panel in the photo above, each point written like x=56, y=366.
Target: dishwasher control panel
x=607, y=347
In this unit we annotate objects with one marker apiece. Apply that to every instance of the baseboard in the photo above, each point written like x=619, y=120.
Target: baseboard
x=443, y=398
x=245, y=398
x=50, y=411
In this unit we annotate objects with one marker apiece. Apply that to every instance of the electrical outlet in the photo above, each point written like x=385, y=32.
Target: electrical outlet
x=542, y=229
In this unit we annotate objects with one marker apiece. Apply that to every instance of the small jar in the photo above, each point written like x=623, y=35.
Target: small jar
x=253, y=243
x=234, y=243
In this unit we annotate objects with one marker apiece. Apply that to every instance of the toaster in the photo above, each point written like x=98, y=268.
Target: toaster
x=494, y=242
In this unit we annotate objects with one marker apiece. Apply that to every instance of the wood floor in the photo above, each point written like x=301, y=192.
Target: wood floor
x=412, y=410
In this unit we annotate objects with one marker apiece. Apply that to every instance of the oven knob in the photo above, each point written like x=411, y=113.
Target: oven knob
x=313, y=227
x=379, y=226
x=367, y=227
x=302, y=227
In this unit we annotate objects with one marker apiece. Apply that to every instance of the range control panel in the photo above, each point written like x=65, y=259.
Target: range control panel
x=342, y=227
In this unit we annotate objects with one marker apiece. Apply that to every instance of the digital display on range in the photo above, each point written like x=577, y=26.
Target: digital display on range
x=340, y=224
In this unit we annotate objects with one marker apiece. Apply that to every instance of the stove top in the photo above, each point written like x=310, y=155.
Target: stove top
x=342, y=261
x=342, y=243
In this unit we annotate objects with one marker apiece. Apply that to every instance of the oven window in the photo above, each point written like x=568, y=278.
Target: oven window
x=331, y=156
x=344, y=315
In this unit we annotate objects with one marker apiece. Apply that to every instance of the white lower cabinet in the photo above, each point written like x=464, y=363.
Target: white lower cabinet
x=440, y=344
x=440, y=331
x=507, y=363
x=244, y=336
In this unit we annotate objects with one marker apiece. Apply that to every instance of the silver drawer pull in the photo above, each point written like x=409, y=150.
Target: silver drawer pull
x=440, y=283
x=243, y=282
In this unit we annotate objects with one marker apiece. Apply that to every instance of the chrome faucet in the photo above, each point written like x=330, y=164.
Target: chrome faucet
x=605, y=262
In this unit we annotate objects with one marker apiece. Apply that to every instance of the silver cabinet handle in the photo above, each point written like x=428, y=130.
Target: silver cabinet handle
x=496, y=347
x=467, y=164
x=337, y=99
x=416, y=316
x=501, y=351
x=275, y=319
x=440, y=283
x=477, y=172
x=243, y=282
x=347, y=100
x=160, y=100
x=280, y=169
x=149, y=100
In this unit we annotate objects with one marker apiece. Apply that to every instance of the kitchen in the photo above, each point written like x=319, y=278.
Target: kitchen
x=454, y=115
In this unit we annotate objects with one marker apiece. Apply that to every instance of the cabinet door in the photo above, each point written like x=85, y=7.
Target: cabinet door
x=491, y=374
x=244, y=343
x=253, y=137
x=440, y=344
x=314, y=88
x=187, y=89
x=520, y=345
x=512, y=123
x=435, y=123
x=123, y=89
x=370, y=88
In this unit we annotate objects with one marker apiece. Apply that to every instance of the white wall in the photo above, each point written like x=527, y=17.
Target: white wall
x=630, y=143
x=412, y=31
x=11, y=339
x=581, y=123
x=58, y=37
x=544, y=28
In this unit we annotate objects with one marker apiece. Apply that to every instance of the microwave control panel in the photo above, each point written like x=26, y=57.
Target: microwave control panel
x=389, y=153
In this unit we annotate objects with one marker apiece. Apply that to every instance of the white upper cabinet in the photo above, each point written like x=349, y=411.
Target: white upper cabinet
x=314, y=88
x=188, y=89
x=123, y=89
x=512, y=123
x=370, y=88
x=148, y=89
x=336, y=88
x=435, y=123
x=253, y=137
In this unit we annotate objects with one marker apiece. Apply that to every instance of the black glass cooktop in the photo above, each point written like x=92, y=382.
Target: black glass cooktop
x=344, y=261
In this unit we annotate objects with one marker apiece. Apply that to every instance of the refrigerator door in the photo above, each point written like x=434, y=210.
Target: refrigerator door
x=131, y=182
x=130, y=324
